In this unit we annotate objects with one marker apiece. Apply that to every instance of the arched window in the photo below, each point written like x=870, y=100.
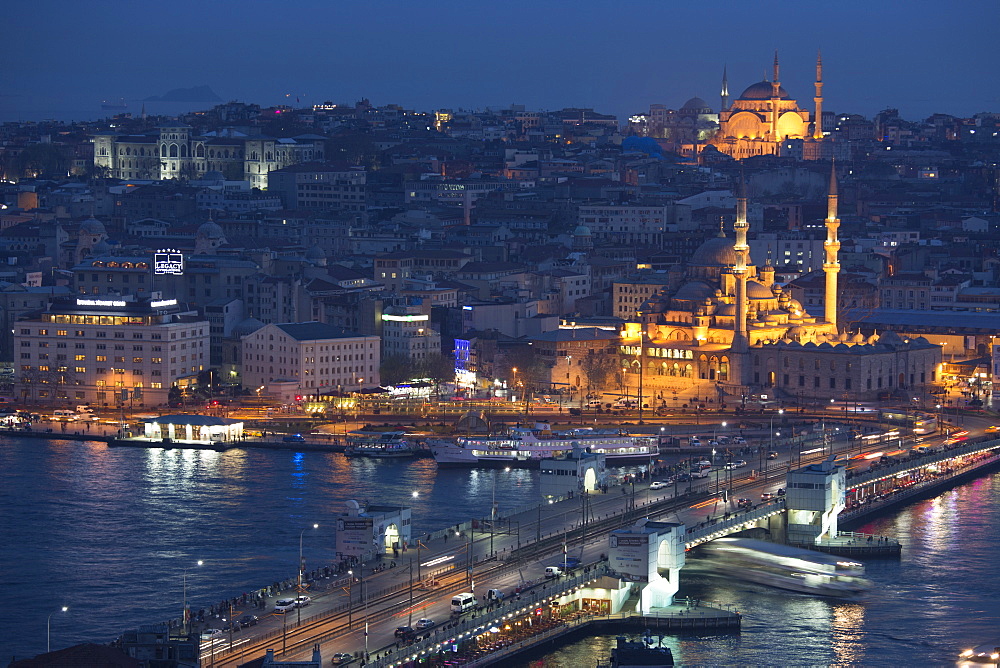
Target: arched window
x=163, y=150
x=173, y=150
x=184, y=150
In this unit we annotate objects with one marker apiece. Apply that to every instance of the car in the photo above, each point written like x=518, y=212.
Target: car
x=731, y=466
x=341, y=658
x=571, y=562
x=294, y=438
x=424, y=623
x=993, y=428
x=302, y=601
x=739, y=440
x=212, y=634
x=781, y=491
x=283, y=605
x=683, y=477
x=744, y=503
x=656, y=484
x=405, y=632
x=232, y=627
x=766, y=496
x=740, y=463
x=248, y=620
x=772, y=455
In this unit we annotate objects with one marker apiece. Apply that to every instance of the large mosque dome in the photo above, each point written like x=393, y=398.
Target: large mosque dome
x=762, y=90
x=696, y=105
x=716, y=252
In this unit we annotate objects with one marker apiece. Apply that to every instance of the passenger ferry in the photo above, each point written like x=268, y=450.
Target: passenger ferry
x=526, y=447
x=382, y=445
x=787, y=567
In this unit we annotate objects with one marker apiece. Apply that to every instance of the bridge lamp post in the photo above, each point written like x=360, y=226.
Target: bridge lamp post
x=48, y=629
x=298, y=608
x=185, y=612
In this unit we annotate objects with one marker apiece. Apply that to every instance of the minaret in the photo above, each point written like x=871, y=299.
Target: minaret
x=725, y=90
x=775, y=95
x=742, y=251
x=832, y=247
x=818, y=100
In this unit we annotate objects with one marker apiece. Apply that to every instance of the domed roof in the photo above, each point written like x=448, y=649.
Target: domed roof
x=762, y=91
x=245, y=327
x=315, y=253
x=726, y=309
x=581, y=231
x=210, y=229
x=757, y=290
x=92, y=226
x=102, y=247
x=696, y=104
x=694, y=291
x=716, y=252
x=213, y=175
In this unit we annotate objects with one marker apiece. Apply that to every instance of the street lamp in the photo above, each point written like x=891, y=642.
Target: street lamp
x=513, y=383
x=48, y=629
x=302, y=566
x=186, y=615
x=350, y=600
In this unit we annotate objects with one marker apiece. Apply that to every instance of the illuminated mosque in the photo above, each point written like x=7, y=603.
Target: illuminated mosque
x=764, y=115
x=724, y=326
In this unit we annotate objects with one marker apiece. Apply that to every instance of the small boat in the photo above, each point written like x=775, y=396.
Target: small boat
x=114, y=105
x=382, y=445
x=639, y=654
x=988, y=653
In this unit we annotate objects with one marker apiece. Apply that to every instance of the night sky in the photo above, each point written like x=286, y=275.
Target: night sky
x=62, y=57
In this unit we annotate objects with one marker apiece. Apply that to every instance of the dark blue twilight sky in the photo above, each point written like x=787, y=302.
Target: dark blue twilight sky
x=62, y=57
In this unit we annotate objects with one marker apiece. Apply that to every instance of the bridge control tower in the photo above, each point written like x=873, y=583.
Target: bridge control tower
x=652, y=554
x=814, y=497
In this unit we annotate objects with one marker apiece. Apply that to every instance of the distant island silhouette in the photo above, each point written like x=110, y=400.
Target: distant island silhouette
x=193, y=94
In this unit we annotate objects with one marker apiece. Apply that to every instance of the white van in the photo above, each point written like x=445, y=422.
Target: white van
x=552, y=571
x=63, y=415
x=463, y=602
x=84, y=409
x=494, y=595
x=594, y=403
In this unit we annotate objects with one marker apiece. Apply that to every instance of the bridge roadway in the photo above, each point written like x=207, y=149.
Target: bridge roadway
x=341, y=611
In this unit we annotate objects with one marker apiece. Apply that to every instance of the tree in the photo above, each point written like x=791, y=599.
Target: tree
x=598, y=368
x=438, y=368
x=396, y=369
x=40, y=160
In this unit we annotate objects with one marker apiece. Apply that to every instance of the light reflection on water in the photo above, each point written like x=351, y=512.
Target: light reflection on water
x=108, y=531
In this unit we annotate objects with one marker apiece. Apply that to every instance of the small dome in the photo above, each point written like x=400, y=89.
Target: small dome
x=213, y=175
x=92, y=226
x=726, y=309
x=698, y=105
x=694, y=291
x=581, y=231
x=245, y=327
x=210, y=229
x=716, y=252
x=762, y=90
x=757, y=290
x=315, y=253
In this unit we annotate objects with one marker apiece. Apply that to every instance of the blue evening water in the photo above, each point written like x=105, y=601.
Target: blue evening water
x=109, y=532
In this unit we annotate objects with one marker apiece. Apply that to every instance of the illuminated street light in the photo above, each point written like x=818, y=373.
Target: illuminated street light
x=186, y=614
x=48, y=629
x=298, y=608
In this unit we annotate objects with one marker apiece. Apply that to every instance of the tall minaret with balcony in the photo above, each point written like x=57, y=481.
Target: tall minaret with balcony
x=725, y=90
x=775, y=97
x=818, y=100
x=831, y=265
x=742, y=251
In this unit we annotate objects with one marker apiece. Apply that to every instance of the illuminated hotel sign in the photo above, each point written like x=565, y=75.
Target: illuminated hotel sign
x=669, y=353
x=405, y=318
x=166, y=261
x=162, y=303
x=99, y=302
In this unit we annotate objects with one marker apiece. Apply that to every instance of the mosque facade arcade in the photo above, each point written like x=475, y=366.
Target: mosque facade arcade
x=727, y=327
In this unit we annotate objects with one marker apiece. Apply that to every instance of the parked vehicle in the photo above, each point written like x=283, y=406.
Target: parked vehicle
x=553, y=571
x=656, y=484
x=294, y=438
x=463, y=602
x=423, y=624
x=766, y=496
x=302, y=601
x=699, y=473
x=63, y=415
x=494, y=595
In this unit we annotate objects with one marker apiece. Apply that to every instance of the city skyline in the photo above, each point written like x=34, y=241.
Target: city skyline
x=934, y=61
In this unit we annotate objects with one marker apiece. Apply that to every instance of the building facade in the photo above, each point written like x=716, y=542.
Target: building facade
x=89, y=350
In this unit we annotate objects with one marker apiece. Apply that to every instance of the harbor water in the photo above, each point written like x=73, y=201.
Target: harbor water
x=109, y=532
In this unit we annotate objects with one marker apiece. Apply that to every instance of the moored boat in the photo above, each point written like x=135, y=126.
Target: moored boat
x=526, y=447
x=382, y=445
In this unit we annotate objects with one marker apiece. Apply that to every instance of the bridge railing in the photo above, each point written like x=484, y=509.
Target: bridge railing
x=910, y=463
x=718, y=526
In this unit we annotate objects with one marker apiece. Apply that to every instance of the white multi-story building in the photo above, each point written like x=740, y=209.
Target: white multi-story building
x=634, y=224
x=406, y=332
x=309, y=358
x=87, y=350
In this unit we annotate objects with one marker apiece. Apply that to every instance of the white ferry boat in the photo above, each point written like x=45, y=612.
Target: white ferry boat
x=787, y=567
x=525, y=447
x=382, y=445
